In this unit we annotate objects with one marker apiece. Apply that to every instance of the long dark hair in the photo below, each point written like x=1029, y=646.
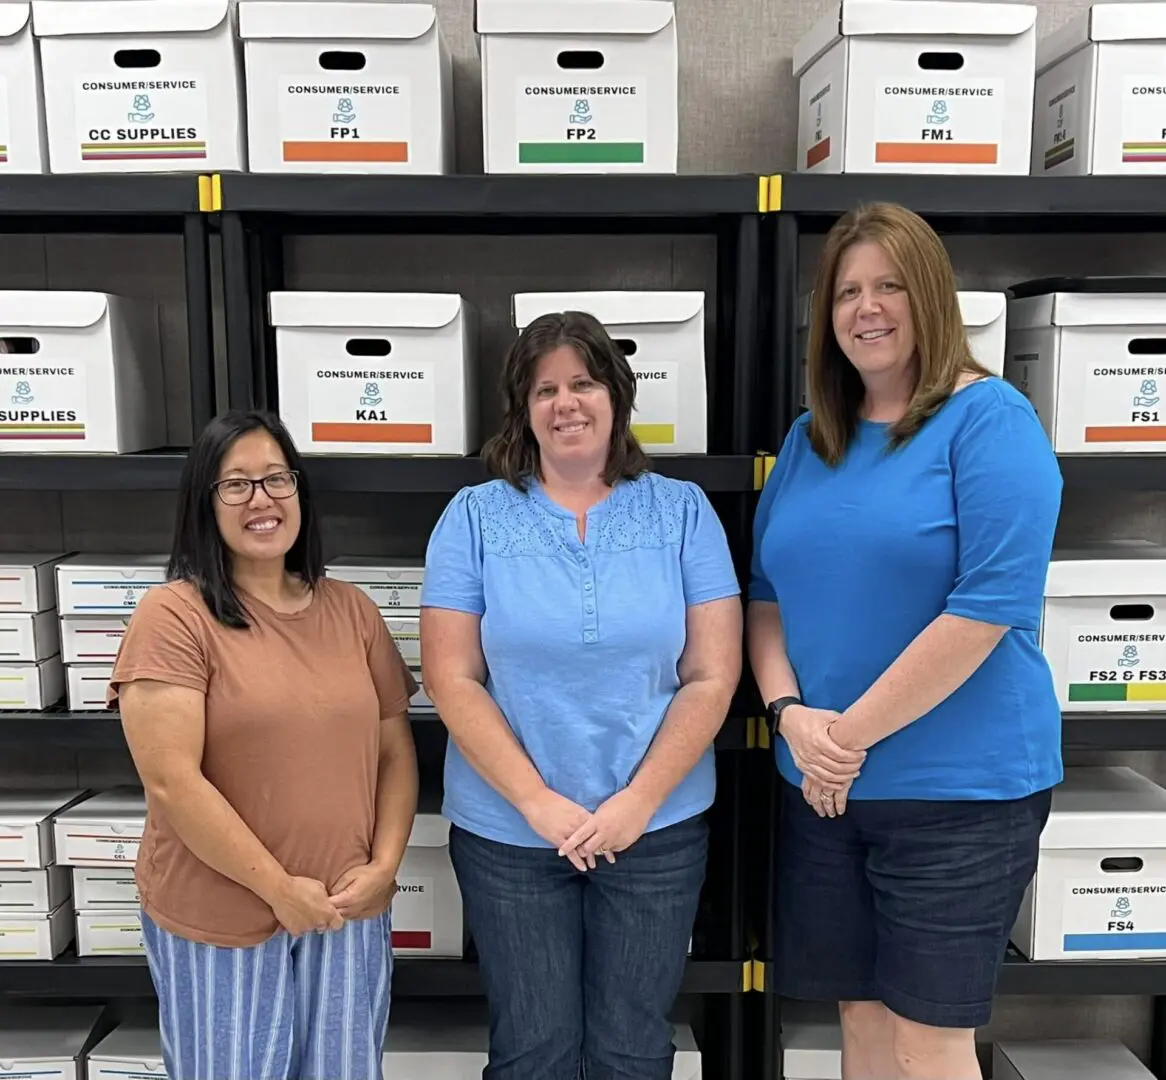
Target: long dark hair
x=512, y=454
x=198, y=554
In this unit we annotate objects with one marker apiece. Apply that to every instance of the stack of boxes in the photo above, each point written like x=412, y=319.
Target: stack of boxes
x=68, y=1042
x=31, y=674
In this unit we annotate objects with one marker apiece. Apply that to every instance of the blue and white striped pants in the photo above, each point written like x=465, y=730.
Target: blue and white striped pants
x=308, y=1008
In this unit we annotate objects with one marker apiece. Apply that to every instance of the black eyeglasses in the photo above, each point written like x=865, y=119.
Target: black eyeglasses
x=238, y=490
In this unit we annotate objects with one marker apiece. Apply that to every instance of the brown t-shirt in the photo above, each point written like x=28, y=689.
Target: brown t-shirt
x=293, y=712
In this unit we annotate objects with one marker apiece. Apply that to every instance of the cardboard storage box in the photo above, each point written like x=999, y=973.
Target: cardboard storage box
x=110, y=933
x=33, y=935
x=101, y=889
x=103, y=830
x=662, y=335
x=427, y=910
x=1066, y=1059
x=138, y=88
x=353, y=87
x=377, y=373
x=1099, y=892
x=1085, y=352
x=36, y=891
x=26, y=826
x=23, y=148
x=394, y=585
x=921, y=87
x=87, y=685
x=1099, y=89
x=132, y=1051
x=46, y=1041
x=87, y=376
x=29, y=638
x=28, y=583
x=32, y=686
x=420, y=701
x=407, y=634
x=92, y=639
x=582, y=87
x=106, y=584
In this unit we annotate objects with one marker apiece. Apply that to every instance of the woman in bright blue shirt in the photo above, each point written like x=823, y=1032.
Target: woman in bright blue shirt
x=581, y=640
x=901, y=545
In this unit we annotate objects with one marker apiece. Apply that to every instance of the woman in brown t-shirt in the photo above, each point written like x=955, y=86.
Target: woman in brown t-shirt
x=266, y=710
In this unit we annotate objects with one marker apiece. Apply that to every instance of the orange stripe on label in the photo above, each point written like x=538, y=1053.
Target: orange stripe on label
x=1141, y=433
x=818, y=152
x=346, y=151
x=895, y=153
x=373, y=433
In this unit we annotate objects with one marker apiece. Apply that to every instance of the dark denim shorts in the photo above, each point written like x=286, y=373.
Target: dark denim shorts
x=906, y=902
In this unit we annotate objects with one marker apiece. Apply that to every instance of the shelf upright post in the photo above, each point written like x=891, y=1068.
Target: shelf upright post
x=238, y=310
x=199, y=321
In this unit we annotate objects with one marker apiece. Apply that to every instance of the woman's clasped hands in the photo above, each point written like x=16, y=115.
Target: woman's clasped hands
x=827, y=769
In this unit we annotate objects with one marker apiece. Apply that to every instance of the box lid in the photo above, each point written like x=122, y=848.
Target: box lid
x=387, y=564
x=1106, y=807
x=67, y=18
x=622, y=308
x=57, y=1031
x=13, y=18
x=582, y=17
x=429, y=831
x=1143, y=21
x=1073, y=1059
x=27, y=561
x=33, y=308
x=117, y=804
x=981, y=308
x=113, y=563
x=327, y=21
x=354, y=310
x=20, y=809
x=136, y=1044
x=1133, y=568
x=1088, y=301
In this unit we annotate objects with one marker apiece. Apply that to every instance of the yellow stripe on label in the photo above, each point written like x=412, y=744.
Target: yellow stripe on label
x=1146, y=692
x=660, y=434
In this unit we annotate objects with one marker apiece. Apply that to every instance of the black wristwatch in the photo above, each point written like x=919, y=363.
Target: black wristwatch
x=774, y=710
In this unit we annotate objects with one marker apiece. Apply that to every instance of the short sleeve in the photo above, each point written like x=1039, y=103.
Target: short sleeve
x=706, y=566
x=164, y=642
x=391, y=676
x=1007, y=500
x=453, y=559
x=760, y=587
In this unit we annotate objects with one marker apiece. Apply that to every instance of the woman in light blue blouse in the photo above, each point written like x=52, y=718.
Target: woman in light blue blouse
x=581, y=640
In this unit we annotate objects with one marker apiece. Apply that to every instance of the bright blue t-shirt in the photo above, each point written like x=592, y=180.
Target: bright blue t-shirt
x=581, y=638
x=862, y=557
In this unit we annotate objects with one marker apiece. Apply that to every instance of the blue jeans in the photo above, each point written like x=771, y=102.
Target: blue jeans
x=581, y=970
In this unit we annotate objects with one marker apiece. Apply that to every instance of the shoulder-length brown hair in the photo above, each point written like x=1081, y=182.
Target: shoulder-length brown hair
x=834, y=388
x=512, y=454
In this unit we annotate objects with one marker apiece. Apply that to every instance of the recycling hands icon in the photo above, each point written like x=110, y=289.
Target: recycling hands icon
x=1148, y=396
x=141, y=112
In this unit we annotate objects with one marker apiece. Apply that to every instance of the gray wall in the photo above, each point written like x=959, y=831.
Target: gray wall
x=738, y=106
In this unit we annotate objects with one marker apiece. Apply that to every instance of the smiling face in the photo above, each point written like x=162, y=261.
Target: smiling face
x=261, y=527
x=872, y=312
x=570, y=411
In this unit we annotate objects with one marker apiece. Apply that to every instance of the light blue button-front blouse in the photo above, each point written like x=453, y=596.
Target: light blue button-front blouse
x=581, y=638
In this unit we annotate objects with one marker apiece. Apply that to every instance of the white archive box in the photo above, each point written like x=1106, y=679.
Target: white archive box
x=37, y=891
x=932, y=86
x=46, y=1042
x=86, y=376
x=132, y=87
x=26, y=826
x=86, y=686
x=662, y=336
x=33, y=686
x=131, y=1051
x=377, y=373
x=28, y=582
x=420, y=701
x=1103, y=627
x=102, y=830
x=1099, y=892
x=406, y=631
x=427, y=909
x=110, y=933
x=92, y=639
x=394, y=585
x=106, y=584
x=352, y=87
x=29, y=935
x=23, y=148
x=1090, y=355
x=811, y=1041
x=105, y=888
x=1099, y=86
x=1066, y=1059
x=582, y=87
x=28, y=638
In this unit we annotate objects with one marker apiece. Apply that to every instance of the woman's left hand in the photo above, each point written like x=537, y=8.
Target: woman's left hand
x=364, y=892
x=615, y=826
x=825, y=801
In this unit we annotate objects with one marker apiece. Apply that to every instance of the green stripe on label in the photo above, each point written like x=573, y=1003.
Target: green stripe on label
x=582, y=153
x=1097, y=692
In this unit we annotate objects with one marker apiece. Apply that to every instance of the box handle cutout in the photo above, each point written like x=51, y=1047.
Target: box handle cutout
x=19, y=345
x=1132, y=612
x=337, y=60
x=1123, y=864
x=626, y=346
x=941, y=61
x=137, y=58
x=1147, y=346
x=581, y=60
x=368, y=347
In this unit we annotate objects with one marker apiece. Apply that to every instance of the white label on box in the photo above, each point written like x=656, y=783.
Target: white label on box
x=323, y=120
x=19, y=894
x=1143, y=119
x=412, y=914
x=51, y=1069
x=818, y=145
x=112, y=935
x=1103, y=914
x=42, y=402
x=407, y=636
x=18, y=941
x=104, y=888
x=949, y=121
x=87, y=846
x=1063, y=129
x=657, y=401
x=1124, y=403
x=121, y=118
x=591, y=122
x=374, y=406
x=1109, y=664
x=393, y=597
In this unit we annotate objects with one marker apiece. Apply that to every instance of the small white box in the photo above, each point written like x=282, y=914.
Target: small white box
x=377, y=373
x=28, y=583
x=26, y=826
x=355, y=87
x=129, y=1051
x=109, y=933
x=420, y=701
x=92, y=639
x=45, y=1042
x=407, y=634
x=1066, y=1059
x=94, y=383
x=30, y=935
x=101, y=889
x=932, y=86
x=104, y=830
x=427, y=910
x=811, y=1043
x=106, y=584
x=588, y=87
x=23, y=148
x=35, y=891
x=1099, y=892
x=662, y=335
x=86, y=686
x=394, y=585
x=28, y=638
x=1085, y=355
x=32, y=686
x=133, y=87
x=1099, y=87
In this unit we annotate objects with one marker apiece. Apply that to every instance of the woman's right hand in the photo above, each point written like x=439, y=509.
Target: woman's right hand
x=302, y=905
x=815, y=753
x=556, y=818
